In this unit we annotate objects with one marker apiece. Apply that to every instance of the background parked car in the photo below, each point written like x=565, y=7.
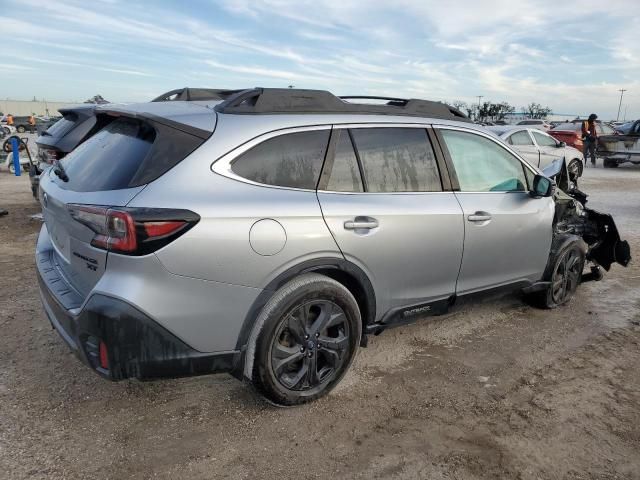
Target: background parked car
x=541, y=149
x=76, y=125
x=571, y=133
x=624, y=128
x=539, y=124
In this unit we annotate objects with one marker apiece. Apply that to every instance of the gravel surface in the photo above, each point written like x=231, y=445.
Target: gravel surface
x=496, y=389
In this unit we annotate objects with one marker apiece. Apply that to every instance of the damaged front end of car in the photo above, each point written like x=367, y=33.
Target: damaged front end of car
x=598, y=230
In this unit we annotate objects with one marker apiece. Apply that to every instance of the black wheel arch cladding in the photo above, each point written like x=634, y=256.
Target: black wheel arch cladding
x=352, y=277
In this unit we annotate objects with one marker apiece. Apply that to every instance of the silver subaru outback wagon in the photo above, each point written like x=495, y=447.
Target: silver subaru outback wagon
x=268, y=232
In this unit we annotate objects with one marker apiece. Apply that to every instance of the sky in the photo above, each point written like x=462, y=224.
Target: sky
x=573, y=56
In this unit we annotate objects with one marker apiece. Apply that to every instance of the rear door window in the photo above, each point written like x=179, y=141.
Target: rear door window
x=397, y=160
x=292, y=160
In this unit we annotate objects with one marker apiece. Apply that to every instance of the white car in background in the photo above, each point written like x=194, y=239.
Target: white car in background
x=540, y=149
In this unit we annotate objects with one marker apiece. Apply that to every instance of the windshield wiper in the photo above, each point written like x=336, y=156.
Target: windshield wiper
x=59, y=171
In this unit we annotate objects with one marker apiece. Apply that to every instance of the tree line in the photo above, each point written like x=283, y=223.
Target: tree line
x=490, y=111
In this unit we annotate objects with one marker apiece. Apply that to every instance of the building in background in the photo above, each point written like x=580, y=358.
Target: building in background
x=24, y=108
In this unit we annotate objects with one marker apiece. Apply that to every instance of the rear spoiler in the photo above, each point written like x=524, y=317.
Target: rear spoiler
x=152, y=118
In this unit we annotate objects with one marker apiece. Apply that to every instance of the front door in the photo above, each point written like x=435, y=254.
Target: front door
x=507, y=232
x=549, y=150
x=385, y=206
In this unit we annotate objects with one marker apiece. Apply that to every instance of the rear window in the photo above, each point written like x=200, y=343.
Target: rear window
x=292, y=160
x=62, y=126
x=126, y=153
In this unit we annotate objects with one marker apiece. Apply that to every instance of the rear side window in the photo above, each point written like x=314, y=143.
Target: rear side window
x=126, y=153
x=292, y=160
x=520, y=138
x=397, y=160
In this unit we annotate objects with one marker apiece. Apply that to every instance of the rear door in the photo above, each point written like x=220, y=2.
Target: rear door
x=507, y=232
x=383, y=199
x=523, y=143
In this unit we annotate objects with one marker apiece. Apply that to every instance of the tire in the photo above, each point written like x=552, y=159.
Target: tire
x=608, y=163
x=564, y=272
x=6, y=130
x=21, y=129
x=575, y=168
x=12, y=168
x=311, y=331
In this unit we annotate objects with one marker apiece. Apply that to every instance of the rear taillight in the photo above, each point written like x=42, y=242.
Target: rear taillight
x=133, y=231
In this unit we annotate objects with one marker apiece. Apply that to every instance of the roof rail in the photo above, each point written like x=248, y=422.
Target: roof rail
x=195, y=94
x=288, y=100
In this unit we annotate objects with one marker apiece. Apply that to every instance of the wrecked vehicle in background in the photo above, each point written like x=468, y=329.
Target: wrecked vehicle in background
x=620, y=148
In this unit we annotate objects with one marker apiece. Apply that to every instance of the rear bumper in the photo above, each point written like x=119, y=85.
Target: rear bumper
x=137, y=346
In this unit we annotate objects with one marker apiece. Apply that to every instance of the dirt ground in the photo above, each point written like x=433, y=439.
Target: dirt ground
x=494, y=390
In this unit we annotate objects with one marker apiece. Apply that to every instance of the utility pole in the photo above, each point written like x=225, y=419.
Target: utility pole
x=480, y=97
x=622, y=90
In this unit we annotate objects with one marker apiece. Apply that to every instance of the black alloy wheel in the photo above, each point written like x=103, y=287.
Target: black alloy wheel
x=311, y=345
x=566, y=276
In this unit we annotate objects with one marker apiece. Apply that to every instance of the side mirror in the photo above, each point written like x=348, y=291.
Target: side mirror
x=562, y=144
x=542, y=187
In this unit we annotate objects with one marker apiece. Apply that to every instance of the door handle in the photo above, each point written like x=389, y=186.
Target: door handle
x=361, y=224
x=479, y=217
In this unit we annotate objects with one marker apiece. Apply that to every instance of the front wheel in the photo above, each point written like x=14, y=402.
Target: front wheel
x=563, y=273
x=609, y=163
x=12, y=168
x=575, y=169
x=309, y=338
x=21, y=129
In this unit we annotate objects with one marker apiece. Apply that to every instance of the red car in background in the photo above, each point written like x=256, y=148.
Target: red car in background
x=571, y=133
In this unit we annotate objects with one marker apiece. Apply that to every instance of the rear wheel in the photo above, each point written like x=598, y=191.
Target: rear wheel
x=12, y=168
x=21, y=129
x=309, y=338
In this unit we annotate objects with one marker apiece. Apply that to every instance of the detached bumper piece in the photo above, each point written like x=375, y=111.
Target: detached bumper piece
x=607, y=247
x=118, y=341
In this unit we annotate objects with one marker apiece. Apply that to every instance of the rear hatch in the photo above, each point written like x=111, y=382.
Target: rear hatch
x=107, y=171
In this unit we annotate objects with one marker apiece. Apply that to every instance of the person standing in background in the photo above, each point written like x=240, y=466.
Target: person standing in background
x=9, y=119
x=32, y=123
x=589, y=138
